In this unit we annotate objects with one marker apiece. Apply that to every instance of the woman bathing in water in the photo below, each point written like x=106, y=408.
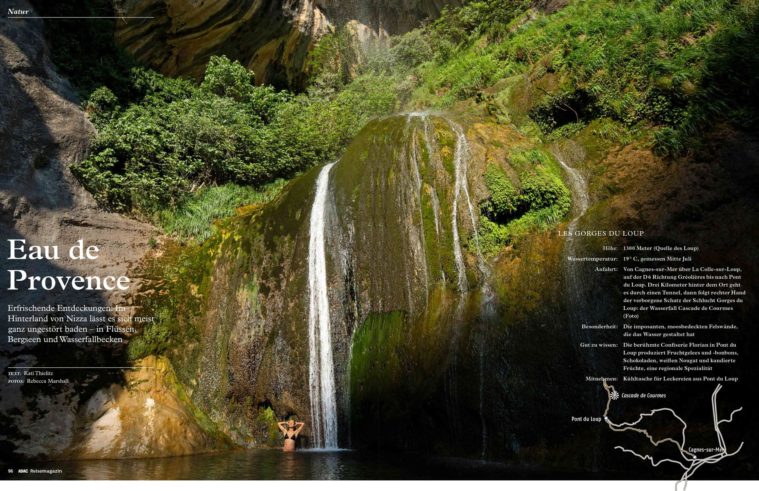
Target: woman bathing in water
x=290, y=429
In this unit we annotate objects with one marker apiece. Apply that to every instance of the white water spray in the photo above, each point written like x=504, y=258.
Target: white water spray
x=573, y=272
x=436, y=216
x=457, y=255
x=460, y=187
x=487, y=309
x=579, y=192
x=321, y=372
x=428, y=141
x=580, y=306
x=418, y=185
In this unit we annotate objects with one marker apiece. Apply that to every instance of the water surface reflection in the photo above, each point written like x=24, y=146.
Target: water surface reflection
x=274, y=464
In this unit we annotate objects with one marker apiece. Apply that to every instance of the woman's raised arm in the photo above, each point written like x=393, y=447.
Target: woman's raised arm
x=299, y=426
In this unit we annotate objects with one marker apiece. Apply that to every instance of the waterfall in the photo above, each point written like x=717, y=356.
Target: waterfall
x=461, y=187
x=580, y=307
x=418, y=185
x=436, y=217
x=457, y=255
x=436, y=213
x=579, y=192
x=488, y=318
x=321, y=372
x=487, y=305
x=461, y=161
x=429, y=144
x=573, y=272
x=461, y=201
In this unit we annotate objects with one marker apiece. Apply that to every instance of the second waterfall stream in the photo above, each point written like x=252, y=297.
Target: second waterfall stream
x=406, y=191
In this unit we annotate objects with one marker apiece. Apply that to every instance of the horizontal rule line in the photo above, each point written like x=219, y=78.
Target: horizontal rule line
x=72, y=17
x=89, y=368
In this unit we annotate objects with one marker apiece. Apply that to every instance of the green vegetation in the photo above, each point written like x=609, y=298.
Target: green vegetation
x=665, y=70
x=674, y=66
x=493, y=236
x=381, y=387
x=670, y=67
x=156, y=338
x=176, y=136
x=266, y=425
x=179, y=282
x=195, y=215
x=378, y=348
x=333, y=61
x=656, y=69
x=540, y=200
x=504, y=198
x=186, y=154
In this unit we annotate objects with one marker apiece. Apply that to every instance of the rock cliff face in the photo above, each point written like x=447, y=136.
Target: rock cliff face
x=146, y=416
x=427, y=337
x=42, y=132
x=95, y=413
x=419, y=327
x=271, y=37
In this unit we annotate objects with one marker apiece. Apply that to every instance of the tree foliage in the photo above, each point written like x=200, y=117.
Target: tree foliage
x=176, y=136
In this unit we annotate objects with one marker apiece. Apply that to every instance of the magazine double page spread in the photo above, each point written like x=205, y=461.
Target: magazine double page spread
x=379, y=239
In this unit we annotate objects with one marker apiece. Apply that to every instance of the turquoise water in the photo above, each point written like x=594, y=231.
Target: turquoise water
x=274, y=464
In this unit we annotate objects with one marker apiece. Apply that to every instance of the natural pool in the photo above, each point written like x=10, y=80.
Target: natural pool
x=274, y=464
